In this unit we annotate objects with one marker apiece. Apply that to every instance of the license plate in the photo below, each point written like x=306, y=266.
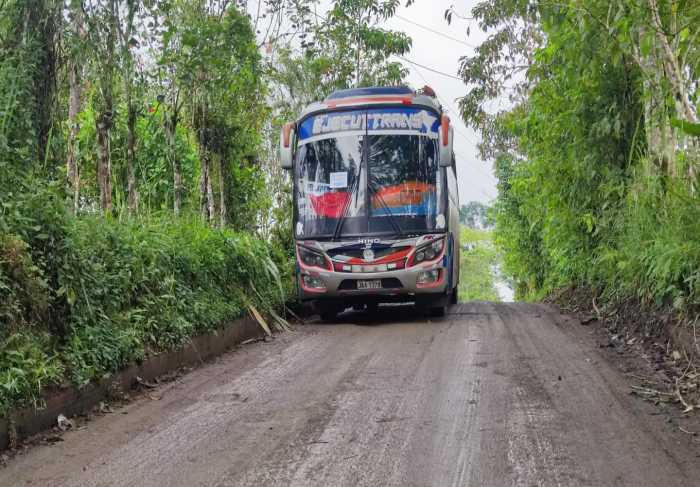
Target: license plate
x=373, y=284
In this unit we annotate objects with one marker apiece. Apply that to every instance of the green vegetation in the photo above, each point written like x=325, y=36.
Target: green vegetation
x=597, y=157
x=477, y=262
x=141, y=199
x=475, y=215
x=90, y=295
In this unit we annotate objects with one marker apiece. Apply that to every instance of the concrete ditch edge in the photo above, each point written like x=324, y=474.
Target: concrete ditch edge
x=71, y=401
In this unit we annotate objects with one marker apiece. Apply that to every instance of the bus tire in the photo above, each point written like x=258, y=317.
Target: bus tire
x=329, y=316
x=328, y=310
x=438, y=311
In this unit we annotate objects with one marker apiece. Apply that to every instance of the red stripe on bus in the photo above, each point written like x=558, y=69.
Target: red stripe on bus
x=378, y=99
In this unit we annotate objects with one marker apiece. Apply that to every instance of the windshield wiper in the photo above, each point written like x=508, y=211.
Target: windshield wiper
x=344, y=214
x=392, y=220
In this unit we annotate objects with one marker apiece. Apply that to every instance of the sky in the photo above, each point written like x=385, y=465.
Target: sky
x=476, y=179
x=441, y=51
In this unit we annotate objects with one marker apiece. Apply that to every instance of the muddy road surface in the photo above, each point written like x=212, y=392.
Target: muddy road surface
x=490, y=395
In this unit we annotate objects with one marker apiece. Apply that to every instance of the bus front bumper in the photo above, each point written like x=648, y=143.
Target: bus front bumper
x=396, y=285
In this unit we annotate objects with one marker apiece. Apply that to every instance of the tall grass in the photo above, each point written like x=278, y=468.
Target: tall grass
x=118, y=291
x=656, y=256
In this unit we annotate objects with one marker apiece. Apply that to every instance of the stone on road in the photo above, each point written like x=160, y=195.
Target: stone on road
x=490, y=395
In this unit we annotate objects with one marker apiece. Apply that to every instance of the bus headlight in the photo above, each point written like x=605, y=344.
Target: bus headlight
x=311, y=258
x=428, y=252
x=313, y=283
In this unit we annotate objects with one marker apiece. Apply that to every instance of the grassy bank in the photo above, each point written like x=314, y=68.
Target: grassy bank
x=478, y=258
x=83, y=297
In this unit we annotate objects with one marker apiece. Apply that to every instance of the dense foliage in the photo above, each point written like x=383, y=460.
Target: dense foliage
x=84, y=297
x=596, y=157
x=141, y=201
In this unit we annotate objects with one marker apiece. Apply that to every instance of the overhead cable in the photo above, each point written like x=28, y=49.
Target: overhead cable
x=436, y=32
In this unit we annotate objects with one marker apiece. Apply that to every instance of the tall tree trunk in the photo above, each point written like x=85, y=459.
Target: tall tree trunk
x=170, y=133
x=206, y=190
x=204, y=184
x=210, y=195
x=659, y=132
x=673, y=69
x=171, y=118
x=104, y=162
x=75, y=96
x=74, y=104
x=105, y=116
x=41, y=19
x=680, y=83
x=126, y=39
x=132, y=189
x=223, y=217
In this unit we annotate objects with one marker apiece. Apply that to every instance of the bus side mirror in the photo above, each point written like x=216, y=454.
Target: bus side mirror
x=286, y=146
x=445, y=141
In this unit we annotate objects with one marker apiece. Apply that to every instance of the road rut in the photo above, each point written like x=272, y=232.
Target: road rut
x=490, y=395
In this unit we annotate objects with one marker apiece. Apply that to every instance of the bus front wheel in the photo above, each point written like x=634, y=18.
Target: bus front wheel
x=435, y=306
x=328, y=311
x=438, y=311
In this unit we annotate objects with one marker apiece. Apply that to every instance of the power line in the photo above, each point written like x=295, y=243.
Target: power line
x=433, y=70
x=476, y=166
x=449, y=105
x=325, y=18
x=440, y=99
x=436, y=32
x=465, y=137
x=482, y=170
x=429, y=68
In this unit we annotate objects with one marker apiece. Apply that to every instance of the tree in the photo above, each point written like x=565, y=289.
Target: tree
x=601, y=93
x=28, y=54
x=474, y=215
x=102, y=26
x=356, y=50
x=211, y=53
x=127, y=44
x=75, y=39
x=41, y=20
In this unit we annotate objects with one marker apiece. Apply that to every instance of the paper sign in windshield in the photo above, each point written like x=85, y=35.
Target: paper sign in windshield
x=339, y=180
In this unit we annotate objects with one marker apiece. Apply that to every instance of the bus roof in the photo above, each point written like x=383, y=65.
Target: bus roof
x=378, y=90
x=378, y=95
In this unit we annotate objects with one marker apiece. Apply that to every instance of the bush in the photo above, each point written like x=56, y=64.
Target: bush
x=657, y=255
x=23, y=291
x=122, y=290
x=149, y=285
x=25, y=369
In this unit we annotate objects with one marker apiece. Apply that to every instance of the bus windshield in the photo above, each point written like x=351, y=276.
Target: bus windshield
x=372, y=178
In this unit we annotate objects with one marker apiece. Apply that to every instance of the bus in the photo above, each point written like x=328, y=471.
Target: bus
x=376, y=209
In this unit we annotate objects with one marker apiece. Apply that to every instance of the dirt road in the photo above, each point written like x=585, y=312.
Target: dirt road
x=491, y=395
